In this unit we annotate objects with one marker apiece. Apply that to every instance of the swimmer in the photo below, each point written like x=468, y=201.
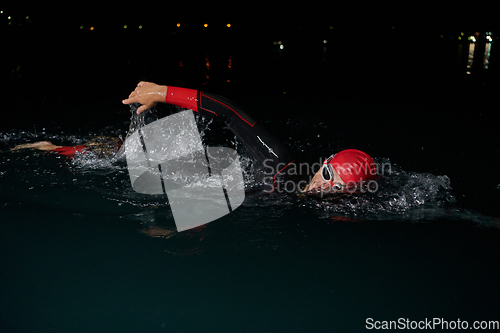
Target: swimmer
x=339, y=172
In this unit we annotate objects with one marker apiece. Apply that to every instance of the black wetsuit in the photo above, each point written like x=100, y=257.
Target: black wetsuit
x=275, y=156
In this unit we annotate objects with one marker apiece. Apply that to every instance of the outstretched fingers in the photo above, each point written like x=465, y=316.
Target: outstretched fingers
x=129, y=100
x=148, y=94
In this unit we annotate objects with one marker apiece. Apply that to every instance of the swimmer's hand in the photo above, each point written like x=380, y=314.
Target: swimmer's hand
x=148, y=94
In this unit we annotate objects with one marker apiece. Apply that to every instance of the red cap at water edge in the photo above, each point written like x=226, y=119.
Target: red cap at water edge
x=354, y=165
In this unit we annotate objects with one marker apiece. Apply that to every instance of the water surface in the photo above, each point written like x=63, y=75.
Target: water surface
x=83, y=252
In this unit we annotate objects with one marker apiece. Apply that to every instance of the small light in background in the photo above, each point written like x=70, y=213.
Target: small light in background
x=488, y=37
x=228, y=25
x=205, y=25
x=178, y=25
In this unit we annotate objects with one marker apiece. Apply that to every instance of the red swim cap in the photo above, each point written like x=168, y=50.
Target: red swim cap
x=354, y=166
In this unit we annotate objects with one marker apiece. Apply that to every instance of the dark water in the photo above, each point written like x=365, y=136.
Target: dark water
x=83, y=252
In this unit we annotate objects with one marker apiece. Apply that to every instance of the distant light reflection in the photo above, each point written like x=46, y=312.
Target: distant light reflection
x=475, y=45
x=470, y=59
x=487, y=50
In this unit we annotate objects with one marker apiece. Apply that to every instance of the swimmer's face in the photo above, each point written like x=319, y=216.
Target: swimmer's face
x=318, y=184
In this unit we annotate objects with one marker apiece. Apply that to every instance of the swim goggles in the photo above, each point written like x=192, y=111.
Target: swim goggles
x=327, y=174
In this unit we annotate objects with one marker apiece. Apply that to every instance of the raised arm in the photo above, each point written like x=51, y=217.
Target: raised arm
x=269, y=151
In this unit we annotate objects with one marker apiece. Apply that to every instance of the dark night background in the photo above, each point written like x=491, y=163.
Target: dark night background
x=392, y=81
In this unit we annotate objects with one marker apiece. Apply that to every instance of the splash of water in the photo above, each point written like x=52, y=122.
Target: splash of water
x=400, y=195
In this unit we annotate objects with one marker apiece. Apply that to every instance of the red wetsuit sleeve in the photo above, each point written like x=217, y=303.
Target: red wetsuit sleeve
x=182, y=97
x=70, y=151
